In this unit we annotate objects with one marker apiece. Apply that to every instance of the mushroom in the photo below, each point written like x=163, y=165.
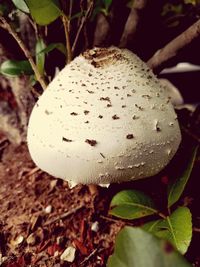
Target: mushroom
x=104, y=118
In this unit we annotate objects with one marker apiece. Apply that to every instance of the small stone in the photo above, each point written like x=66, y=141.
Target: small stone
x=71, y=184
x=2, y=259
x=60, y=240
x=18, y=240
x=48, y=209
x=53, y=184
x=95, y=227
x=68, y=254
x=31, y=239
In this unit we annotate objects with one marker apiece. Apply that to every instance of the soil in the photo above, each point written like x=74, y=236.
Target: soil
x=41, y=216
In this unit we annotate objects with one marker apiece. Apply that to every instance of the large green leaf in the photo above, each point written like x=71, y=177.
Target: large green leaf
x=152, y=227
x=21, y=5
x=44, y=11
x=16, y=68
x=132, y=204
x=176, y=228
x=40, y=56
x=135, y=247
x=176, y=189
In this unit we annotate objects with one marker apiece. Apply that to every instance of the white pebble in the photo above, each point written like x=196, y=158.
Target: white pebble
x=68, y=254
x=95, y=227
x=48, y=209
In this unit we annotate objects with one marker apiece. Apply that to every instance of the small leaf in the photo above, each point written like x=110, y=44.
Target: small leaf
x=44, y=12
x=77, y=15
x=3, y=9
x=176, y=189
x=132, y=204
x=135, y=247
x=107, y=4
x=16, y=68
x=33, y=80
x=40, y=56
x=21, y=5
x=52, y=46
x=177, y=229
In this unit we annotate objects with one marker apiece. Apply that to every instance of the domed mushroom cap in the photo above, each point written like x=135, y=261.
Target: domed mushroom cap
x=105, y=118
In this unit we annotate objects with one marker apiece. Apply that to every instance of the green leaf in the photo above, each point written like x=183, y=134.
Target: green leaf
x=3, y=9
x=77, y=15
x=21, y=5
x=45, y=11
x=135, y=247
x=16, y=68
x=176, y=228
x=152, y=227
x=40, y=56
x=107, y=4
x=52, y=46
x=176, y=189
x=132, y=204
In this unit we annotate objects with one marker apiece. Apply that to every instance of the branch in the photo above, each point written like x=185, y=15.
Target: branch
x=70, y=12
x=162, y=56
x=132, y=22
x=5, y=25
x=67, y=37
x=83, y=21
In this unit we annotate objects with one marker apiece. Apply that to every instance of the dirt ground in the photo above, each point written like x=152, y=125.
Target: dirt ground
x=41, y=216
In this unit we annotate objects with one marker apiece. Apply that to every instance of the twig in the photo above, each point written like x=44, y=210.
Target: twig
x=195, y=229
x=70, y=12
x=33, y=171
x=34, y=91
x=5, y=25
x=132, y=22
x=86, y=41
x=63, y=216
x=187, y=131
x=162, y=56
x=115, y=220
x=83, y=21
x=67, y=37
x=89, y=256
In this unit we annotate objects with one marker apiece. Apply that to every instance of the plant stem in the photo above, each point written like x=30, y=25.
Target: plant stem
x=67, y=37
x=70, y=12
x=83, y=21
x=170, y=50
x=132, y=22
x=195, y=229
x=5, y=25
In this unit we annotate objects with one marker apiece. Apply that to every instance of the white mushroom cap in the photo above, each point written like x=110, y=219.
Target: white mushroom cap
x=104, y=118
